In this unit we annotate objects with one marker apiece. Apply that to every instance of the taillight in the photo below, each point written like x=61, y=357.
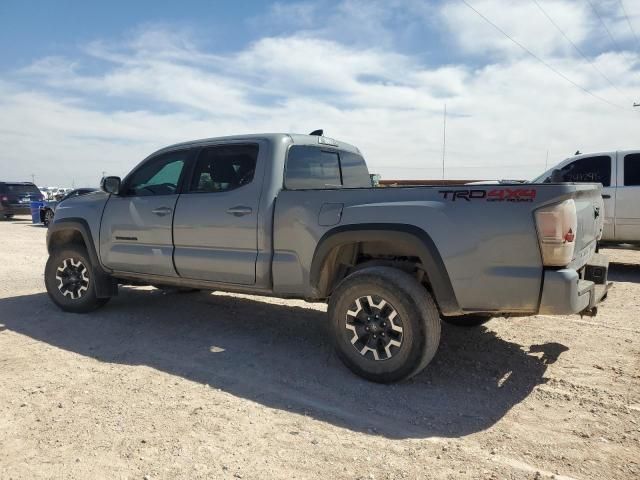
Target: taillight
x=557, y=225
x=4, y=198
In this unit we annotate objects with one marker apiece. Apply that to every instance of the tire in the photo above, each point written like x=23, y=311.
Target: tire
x=68, y=277
x=403, y=342
x=48, y=217
x=472, y=320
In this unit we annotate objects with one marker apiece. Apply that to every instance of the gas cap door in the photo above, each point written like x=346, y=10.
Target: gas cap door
x=330, y=214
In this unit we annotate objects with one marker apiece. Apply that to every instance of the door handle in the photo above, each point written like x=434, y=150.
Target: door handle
x=161, y=211
x=239, y=211
x=606, y=196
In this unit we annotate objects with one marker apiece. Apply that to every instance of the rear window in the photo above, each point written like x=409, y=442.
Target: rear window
x=224, y=167
x=20, y=189
x=311, y=167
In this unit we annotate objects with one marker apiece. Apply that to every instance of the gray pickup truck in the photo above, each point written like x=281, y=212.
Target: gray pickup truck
x=296, y=216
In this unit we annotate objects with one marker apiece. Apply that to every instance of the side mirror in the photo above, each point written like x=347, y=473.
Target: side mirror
x=111, y=185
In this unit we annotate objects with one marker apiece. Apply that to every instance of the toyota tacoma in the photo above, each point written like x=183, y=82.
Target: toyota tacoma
x=296, y=216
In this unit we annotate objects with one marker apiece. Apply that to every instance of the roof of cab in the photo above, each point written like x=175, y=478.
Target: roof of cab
x=296, y=138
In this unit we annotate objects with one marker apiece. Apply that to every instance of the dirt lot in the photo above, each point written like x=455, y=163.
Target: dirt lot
x=159, y=385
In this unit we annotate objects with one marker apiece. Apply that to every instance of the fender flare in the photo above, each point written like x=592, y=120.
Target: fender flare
x=416, y=239
x=79, y=225
x=106, y=286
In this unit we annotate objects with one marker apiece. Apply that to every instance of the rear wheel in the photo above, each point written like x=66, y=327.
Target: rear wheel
x=69, y=280
x=472, y=320
x=385, y=325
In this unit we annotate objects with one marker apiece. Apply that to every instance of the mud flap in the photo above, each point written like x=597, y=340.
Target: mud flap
x=106, y=286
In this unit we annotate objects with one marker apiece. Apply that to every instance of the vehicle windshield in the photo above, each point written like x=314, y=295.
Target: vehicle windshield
x=546, y=176
x=541, y=178
x=77, y=193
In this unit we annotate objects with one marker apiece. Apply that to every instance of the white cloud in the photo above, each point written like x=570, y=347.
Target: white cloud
x=73, y=117
x=521, y=20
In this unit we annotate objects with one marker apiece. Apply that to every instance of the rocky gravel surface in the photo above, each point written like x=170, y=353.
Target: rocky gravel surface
x=167, y=385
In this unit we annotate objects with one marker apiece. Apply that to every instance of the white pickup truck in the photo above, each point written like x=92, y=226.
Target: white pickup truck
x=619, y=174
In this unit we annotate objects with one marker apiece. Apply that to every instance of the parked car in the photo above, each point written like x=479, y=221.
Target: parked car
x=16, y=197
x=619, y=174
x=47, y=211
x=296, y=216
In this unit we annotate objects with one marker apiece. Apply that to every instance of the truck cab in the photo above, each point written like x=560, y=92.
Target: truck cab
x=619, y=174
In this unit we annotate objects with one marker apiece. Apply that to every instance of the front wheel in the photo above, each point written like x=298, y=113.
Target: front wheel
x=69, y=280
x=48, y=217
x=385, y=325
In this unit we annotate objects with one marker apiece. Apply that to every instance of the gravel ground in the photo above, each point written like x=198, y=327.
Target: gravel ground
x=200, y=385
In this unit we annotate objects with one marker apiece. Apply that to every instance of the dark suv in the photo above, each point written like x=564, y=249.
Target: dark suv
x=15, y=198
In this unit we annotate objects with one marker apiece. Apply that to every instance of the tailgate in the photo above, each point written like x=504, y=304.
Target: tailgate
x=590, y=213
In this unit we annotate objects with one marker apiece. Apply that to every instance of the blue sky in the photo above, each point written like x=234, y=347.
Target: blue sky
x=87, y=87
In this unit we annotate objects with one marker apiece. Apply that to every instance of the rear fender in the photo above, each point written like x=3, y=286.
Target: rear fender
x=409, y=237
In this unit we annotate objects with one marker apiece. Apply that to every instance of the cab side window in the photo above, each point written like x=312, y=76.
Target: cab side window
x=158, y=176
x=355, y=173
x=589, y=169
x=312, y=168
x=224, y=167
x=632, y=169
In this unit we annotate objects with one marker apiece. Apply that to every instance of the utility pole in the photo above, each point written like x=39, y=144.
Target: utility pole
x=444, y=137
x=33, y=178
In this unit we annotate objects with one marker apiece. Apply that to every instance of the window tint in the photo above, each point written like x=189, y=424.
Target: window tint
x=224, y=167
x=588, y=169
x=159, y=176
x=312, y=167
x=355, y=173
x=18, y=189
x=632, y=169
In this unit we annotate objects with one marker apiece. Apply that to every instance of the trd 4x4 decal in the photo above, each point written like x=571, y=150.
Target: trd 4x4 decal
x=493, y=195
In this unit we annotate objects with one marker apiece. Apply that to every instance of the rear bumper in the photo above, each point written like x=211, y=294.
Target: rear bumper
x=15, y=210
x=566, y=291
